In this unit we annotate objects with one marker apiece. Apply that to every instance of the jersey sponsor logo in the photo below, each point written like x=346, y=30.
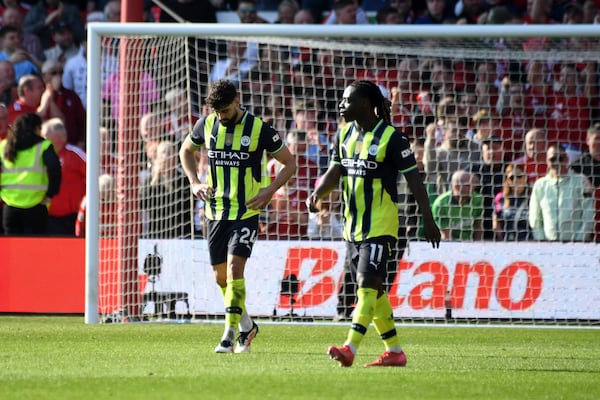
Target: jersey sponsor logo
x=228, y=158
x=275, y=138
x=352, y=163
x=406, y=153
x=357, y=166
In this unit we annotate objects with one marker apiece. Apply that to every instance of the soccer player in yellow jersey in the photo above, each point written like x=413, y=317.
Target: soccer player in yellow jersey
x=367, y=155
x=234, y=193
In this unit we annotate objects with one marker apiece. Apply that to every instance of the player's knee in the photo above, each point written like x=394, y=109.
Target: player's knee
x=221, y=279
x=222, y=283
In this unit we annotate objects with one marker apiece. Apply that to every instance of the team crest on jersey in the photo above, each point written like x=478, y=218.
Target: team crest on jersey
x=229, y=139
x=245, y=141
x=373, y=149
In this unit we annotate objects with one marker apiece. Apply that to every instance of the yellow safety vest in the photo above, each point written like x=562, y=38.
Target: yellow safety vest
x=24, y=182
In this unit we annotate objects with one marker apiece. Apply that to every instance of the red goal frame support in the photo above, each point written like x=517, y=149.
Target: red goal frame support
x=128, y=164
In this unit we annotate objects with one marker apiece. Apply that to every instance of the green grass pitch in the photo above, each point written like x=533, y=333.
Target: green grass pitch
x=62, y=358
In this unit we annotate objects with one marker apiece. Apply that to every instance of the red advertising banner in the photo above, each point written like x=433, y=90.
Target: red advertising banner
x=42, y=275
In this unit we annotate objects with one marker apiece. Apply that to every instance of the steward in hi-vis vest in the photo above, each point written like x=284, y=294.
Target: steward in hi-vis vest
x=30, y=175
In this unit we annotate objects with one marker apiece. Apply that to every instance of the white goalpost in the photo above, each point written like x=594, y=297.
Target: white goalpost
x=146, y=258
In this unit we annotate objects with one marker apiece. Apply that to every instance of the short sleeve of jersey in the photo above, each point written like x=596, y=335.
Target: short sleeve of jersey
x=400, y=152
x=197, y=134
x=335, y=150
x=270, y=139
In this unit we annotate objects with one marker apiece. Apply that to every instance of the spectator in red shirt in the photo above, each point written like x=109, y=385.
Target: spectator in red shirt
x=404, y=97
x=64, y=207
x=537, y=93
x=288, y=218
x=514, y=119
x=8, y=82
x=29, y=90
x=569, y=116
x=538, y=12
x=108, y=209
x=67, y=101
x=288, y=215
x=12, y=4
x=180, y=118
x=319, y=128
x=307, y=171
x=33, y=98
x=381, y=70
x=3, y=121
x=485, y=84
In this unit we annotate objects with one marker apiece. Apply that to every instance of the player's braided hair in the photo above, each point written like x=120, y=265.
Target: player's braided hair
x=371, y=91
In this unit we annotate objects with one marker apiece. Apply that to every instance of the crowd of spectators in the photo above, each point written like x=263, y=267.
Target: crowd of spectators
x=484, y=127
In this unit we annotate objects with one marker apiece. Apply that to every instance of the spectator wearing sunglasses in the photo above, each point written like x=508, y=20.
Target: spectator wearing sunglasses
x=247, y=12
x=511, y=206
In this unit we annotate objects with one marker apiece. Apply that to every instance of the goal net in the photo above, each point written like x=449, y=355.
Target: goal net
x=489, y=110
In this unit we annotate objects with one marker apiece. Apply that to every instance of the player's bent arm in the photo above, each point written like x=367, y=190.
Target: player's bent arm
x=187, y=157
x=430, y=229
x=415, y=183
x=289, y=168
x=328, y=182
x=265, y=194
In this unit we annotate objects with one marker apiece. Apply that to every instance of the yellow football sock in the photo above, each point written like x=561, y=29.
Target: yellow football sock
x=383, y=320
x=235, y=297
x=245, y=321
x=363, y=315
